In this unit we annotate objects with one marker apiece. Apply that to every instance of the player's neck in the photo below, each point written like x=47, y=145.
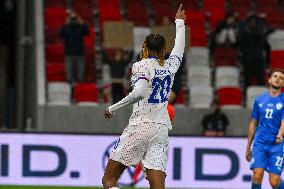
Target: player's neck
x=274, y=91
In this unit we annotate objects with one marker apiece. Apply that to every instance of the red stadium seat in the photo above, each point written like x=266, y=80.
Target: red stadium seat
x=84, y=9
x=216, y=15
x=276, y=59
x=198, y=37
x=109, y=10
x=86, y=92
x=188, y=4
x=213, y=4
x=56, y=72
x=54, y=17
x=225, y=57
x=90, y=72
x=55, y=53
x=230, y=96
x=197, y=18
x=136, y=12
x=162, y=9
x=89, y=40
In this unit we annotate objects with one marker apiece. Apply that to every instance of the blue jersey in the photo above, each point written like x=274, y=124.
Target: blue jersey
x=269, y=113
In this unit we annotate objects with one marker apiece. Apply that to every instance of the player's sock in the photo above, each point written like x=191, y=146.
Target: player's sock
x=114, y=188
x=255, y=186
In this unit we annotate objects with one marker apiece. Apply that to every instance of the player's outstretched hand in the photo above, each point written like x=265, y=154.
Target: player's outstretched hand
x=108, y=114
x=180, y=13
x=279, y=139
x=248, y=154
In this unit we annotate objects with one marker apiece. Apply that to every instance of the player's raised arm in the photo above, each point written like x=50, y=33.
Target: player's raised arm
x=178, y=49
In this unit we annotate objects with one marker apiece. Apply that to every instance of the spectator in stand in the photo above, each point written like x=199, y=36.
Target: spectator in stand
x=118, y=64
x=73, y=33
x=215, y=123
x=226, y=32
x=251, y=43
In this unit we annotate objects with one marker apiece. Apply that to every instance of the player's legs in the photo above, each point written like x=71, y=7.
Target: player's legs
x=275, y=181
x=156, y=178
x=257, y=178
x=112, y=173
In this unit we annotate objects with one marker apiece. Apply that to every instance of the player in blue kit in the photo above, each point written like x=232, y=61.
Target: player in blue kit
x=266, y=131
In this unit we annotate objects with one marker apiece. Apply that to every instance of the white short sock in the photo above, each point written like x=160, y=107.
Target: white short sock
x=114, y=188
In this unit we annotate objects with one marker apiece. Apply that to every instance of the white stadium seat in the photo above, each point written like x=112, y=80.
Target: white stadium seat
x=199, y=76
x=276, y=40
x=139, y=34
x=200, y=97
x=59, y=93
x=227, y=76
x=197, y=56
x=252, y=92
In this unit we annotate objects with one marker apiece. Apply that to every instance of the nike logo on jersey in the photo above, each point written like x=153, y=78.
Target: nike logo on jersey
x=162, y=72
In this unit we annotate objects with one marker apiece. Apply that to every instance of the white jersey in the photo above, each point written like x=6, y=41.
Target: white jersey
x=152, y=84
x=153, y=107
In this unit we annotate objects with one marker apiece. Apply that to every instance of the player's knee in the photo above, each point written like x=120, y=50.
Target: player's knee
x=108, y=182
x=154, y=184
x=257, y=177
x=274, y=183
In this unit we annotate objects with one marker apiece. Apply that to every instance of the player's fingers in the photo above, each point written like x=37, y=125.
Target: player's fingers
x=180, y=8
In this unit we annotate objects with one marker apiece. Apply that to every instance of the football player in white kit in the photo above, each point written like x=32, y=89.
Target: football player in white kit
x=145, y=140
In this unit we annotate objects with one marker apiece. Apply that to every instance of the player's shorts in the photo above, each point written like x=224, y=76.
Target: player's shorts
x=268, y=157
x=146, y=144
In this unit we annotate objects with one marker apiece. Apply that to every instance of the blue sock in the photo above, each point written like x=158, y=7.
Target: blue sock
x=255, y=186
x=281, y=186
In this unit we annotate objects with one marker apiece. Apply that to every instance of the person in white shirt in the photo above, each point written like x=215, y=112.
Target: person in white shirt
x=145, y=140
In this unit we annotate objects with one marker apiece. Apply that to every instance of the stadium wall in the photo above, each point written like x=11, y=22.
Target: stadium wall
x=88, y=119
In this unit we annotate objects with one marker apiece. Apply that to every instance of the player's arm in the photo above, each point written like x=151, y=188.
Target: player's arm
x=279, y=137
x=251, y=132
x=137, y=94
x=178, y=49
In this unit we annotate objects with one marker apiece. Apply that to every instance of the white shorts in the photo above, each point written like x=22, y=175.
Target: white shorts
x=146, y=144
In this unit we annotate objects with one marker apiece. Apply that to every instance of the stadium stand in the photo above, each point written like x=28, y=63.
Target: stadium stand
x=201, y=96
x=252, y=92
x=59, y=93
x=227, y=76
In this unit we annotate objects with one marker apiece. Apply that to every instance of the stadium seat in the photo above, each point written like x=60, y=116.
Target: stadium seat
x=227, y=76
x=276, y=59
x=139, y=34
x=215, y=16
x=200, y=97
x=230, y=97
x=252, y=92
x=109, y=10
x=197, y=56
x=213, y=4
x=225, y=56
x=162, y=9
x=89, y=40
x=54, y=17
x=56, y=72
x=59, y=93
x=84, y=9
x=86, y=93
x=136, y=12
x=55, y=52
x=199, y=76
x=276, y=40
x=188, y=4
x=198, y=37
x=197, y=18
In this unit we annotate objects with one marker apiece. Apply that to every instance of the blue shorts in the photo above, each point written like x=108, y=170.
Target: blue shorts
x=268, y=157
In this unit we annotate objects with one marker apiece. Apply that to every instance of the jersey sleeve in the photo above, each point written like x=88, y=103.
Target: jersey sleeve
x=255, y=111
x=139, y=71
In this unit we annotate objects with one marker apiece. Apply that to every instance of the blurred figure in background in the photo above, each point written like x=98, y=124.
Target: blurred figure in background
x=117, y=64
x=251, y=43
x=215, y=123
x=73, y=33
x=226, y=32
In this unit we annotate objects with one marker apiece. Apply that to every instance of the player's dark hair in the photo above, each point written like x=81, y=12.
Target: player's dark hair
x=154, y=45
x=276, y=70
